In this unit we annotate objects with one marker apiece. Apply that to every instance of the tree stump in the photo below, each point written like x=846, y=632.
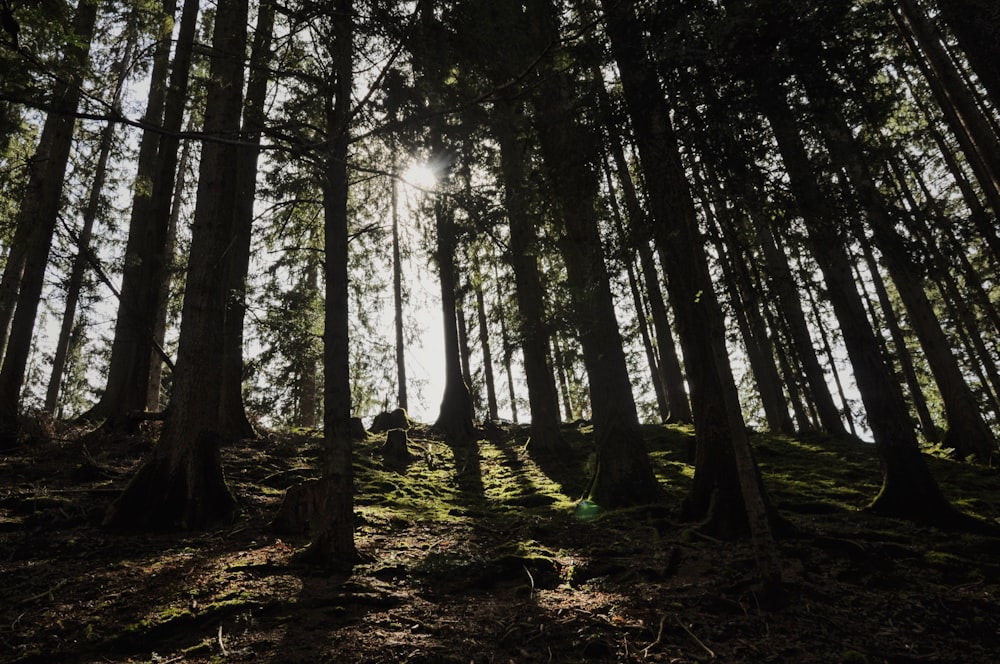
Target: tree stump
x=395, y=451
x=397, y=419
x=301, y=509
x=358, y=429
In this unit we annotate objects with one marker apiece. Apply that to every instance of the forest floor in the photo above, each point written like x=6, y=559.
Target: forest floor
x=485, y=558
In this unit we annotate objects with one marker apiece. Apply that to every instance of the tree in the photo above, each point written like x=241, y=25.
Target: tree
x=622, y=473
x=333, y=541
x=90, y=213
x=39, y=213
x=182, y=484
x=908, y=488
x=724, y=466
x=145, y=262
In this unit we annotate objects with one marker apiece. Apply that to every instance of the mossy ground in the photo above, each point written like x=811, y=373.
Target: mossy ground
x=479, y=557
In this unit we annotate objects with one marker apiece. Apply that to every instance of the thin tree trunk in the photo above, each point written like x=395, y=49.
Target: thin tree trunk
x=747, y=310
x=154, y=402
x=903, y=356
x=80, y=262
x=397, y=302
x=642, y=319
x=508, y=347
x=464, y=351
x=40, y=212
x=484, y=344
x=235, y=424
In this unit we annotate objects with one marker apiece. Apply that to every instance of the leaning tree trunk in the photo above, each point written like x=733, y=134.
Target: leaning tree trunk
x=39, y=212
x=967, y=431
x=622, y=474
x=723, y=446
x=908, y=488
x=145, y=265
x=182, y=484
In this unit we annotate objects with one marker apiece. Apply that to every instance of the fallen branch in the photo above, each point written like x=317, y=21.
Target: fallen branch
x=28, y=600
x=711, y=653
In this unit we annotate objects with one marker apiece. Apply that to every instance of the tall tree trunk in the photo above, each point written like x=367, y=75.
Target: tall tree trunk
x=333, y=543
x=455, y=416
x=235, y=424
x=397, y=302
x=543, y=398
x=182, y=484
x=622, y=474
x=80, y=261
x=484, y=345
x=154, y=402
x=464, y=350
x=39, y=212
x=638, y=303
x=724, y=466
x=903, y=356
x=127, y=383
x=508, y=352
x=908, y=488
x=746, y=308
x=668, y=367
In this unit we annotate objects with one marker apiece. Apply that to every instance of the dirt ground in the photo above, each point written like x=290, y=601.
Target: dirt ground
x=488, y=558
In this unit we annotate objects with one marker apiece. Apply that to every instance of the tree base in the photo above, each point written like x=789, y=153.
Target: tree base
x=183, y=491
x=910, y=492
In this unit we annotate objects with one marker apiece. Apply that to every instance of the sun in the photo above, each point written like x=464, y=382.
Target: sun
x=420, y=176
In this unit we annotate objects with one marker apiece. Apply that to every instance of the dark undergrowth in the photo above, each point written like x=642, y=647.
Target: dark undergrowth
x=485, y=557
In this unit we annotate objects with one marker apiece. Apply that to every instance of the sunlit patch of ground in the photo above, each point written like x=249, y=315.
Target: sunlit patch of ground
x=480, y=558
